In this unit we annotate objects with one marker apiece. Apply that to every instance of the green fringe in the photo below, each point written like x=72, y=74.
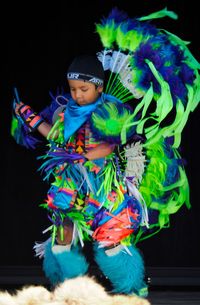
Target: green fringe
x=57, y=132
x=153, y=190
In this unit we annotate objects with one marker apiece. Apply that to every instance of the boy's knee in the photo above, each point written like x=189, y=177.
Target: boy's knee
x=65, y=234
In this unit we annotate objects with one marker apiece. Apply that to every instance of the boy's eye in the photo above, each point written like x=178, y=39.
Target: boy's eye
x=82, y=89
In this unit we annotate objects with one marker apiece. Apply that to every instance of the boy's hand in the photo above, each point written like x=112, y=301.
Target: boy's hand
x=28, y=116
x=17, y=108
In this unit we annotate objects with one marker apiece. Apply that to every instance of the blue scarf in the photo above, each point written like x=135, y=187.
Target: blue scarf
x=75, y=116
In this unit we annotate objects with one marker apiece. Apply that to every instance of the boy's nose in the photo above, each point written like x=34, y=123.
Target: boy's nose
x=78, y=94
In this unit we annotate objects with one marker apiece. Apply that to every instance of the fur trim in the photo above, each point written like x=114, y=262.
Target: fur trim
x=50, y=266
x=84, y=289
x=38, y=294
x=125, y=271
x=6, y=299
x=78, y=291
x=72, y=263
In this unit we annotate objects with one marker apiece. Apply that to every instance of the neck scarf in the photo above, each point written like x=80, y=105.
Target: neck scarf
x=75, y=116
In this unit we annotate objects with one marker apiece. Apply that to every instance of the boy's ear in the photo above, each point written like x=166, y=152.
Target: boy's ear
x=100, y=89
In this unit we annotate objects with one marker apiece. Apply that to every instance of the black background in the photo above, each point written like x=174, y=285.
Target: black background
x=37, y=44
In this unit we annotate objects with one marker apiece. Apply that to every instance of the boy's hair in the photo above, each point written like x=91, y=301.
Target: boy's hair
x=87, y=68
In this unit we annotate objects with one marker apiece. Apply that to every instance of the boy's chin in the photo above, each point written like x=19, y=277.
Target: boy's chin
x=83, y=103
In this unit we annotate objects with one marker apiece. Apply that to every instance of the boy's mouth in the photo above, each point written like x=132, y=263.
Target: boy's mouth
x=80, y=102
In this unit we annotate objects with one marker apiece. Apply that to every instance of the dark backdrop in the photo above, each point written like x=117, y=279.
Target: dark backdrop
x=37, y=44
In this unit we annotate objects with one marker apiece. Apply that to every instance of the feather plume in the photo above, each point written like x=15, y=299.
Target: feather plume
x=105, y=58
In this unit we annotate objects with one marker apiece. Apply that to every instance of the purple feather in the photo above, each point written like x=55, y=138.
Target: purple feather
x=59, y=157
x=178, y=89
x=116, y=15
x=186, y=74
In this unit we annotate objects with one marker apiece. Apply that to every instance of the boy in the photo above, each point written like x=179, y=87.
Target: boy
x=88, y=198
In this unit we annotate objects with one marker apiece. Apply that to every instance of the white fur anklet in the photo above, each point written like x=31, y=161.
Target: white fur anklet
x=61, y=248
x=114, y=250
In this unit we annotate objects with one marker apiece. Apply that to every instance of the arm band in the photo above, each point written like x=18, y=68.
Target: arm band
x=31, y=119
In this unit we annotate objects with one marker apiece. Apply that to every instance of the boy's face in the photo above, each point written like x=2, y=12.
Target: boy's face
x=84, y=92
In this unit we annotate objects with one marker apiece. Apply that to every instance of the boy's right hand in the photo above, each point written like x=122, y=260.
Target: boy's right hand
x=29, y=117
x=18, y=107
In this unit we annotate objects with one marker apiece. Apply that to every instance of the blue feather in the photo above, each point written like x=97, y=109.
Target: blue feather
x=186, y=74
x=117, y=15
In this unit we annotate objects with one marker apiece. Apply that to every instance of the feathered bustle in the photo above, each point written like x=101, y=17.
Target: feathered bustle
x=141, y=58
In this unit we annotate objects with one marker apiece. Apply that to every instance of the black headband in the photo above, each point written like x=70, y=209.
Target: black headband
x=85, y=77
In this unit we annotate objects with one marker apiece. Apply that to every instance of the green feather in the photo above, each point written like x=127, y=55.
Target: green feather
x=107, y=33
x=113, y=123
x=134, y=39
x=153, y=189
x=57, y=132
x=121, y=39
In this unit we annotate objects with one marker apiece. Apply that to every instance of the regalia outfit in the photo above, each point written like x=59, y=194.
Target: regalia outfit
x=129, y=195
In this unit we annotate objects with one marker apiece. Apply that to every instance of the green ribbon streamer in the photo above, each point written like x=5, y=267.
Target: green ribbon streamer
x=140, y=232
x=145, y=102
x=176, y=200
x=196, y=98
x=54, y=230
x=164, y=102
x=160, y=14
x=170, y=130
x=187, y=111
